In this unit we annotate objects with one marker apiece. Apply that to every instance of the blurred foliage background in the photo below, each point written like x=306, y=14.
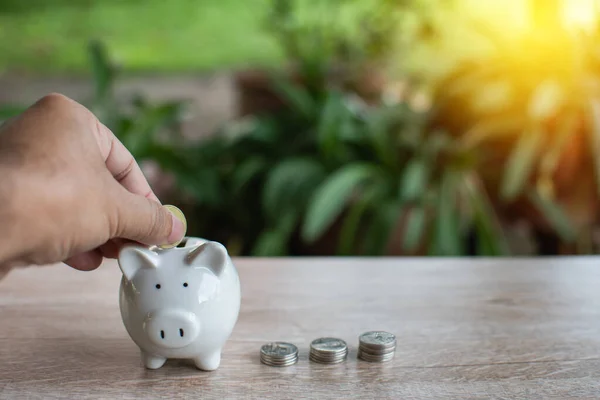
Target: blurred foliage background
x=361, y=127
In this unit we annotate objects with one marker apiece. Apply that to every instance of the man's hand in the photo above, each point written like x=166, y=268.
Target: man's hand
x=70, y=191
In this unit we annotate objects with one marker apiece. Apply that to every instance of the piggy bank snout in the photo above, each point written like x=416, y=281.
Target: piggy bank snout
x=171, y=328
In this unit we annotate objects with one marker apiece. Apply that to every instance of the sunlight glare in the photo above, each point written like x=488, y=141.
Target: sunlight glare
x=580, y=13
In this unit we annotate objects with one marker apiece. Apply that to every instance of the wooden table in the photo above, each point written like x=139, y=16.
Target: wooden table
x=465, y=328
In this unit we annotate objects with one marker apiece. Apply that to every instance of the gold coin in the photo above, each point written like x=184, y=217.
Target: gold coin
x=179, y=215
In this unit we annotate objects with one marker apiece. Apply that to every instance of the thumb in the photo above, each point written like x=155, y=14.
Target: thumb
x=147, y=221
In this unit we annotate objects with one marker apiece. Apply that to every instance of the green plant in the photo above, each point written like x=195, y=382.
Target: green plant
x=531, y=108
x=281, y=181
x=274, y=184
x=149, y=131
x=337, y=39
x=339, y=31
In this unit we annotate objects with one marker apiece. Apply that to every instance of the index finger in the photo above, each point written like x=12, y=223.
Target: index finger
x=121, y=164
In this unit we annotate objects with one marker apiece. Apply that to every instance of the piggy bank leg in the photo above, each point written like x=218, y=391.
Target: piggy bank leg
x=209, y=362
x=151, y=361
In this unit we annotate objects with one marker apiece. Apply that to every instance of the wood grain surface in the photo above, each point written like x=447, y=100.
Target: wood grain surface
x=469, y=329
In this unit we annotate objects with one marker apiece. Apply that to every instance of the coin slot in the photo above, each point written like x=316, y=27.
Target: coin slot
x=162, y=334
x=182, y=243
x=180, y=332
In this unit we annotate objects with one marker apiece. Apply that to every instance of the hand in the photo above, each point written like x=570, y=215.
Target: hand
x=70, y=191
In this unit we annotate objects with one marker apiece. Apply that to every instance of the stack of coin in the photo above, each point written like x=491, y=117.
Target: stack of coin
x=279, y=354
x=328, y=350
x=376, y=346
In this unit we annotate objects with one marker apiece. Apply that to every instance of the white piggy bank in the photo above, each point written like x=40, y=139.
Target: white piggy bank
x=179, y=303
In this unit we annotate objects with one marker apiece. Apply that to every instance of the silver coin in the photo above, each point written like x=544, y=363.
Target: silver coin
x=378, y=338
x=272, y=363
x=328, y=350
x=320, y=361
x=279, y=354
x=371, y=358
x=279, y=350
x=279, y=360
x=329, y=355
x=375, y=356
x=327, y=358
x=378, y=360
x=376, y=350
x=328, y=344
x=276, y=361
x=290, y=357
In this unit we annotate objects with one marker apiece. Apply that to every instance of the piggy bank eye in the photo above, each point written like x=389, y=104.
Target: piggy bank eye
x=158, y=286
x=185, y=284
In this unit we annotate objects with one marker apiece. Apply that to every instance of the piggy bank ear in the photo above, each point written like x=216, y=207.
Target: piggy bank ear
x=211, y=255
x=132, y=259
x=194, y=241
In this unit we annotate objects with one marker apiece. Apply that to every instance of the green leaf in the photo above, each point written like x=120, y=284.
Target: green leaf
x=492, y=97
x=492, y=128
x=378, y=235
x=102, y=71
x=351, y=132
x=270, y=244
x=246, y=172
x=275, y=242
x=10, y=111
x=333, y=194
x=147, y=123
x=170, y=159
x=380, y=125
x=447, y=235
x=554, y=215
x=521, y=163
x=298, y=97
x=209, y=152
x=265, y=131
x=414, y=180
x=347, y=242
x=204, y=185
x=565, y=129
x=415, y=227
x=437, y=142
x=329, y=123
x=290, y=185
x=407, y=129
x=121, y=127
x=491, y=240
x=546, y=99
